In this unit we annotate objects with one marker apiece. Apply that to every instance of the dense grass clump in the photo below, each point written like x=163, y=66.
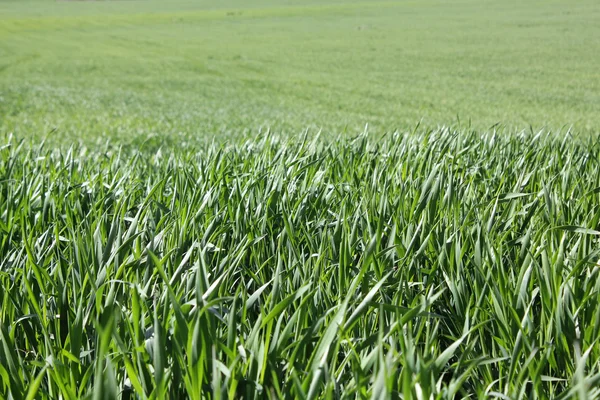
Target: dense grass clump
x=432, y=265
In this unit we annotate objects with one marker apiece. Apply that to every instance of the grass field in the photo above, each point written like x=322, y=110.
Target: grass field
x=441, y=265
x=207, y=68
x=172, y=225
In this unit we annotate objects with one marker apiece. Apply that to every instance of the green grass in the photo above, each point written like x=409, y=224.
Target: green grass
x=122, y=68
x=168, y=231
x=441, y=264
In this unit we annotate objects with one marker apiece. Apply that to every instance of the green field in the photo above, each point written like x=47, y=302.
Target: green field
x=441, y=265
x=192, y=204
x=118, y=68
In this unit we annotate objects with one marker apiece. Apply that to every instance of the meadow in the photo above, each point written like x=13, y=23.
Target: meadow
x=106, y=69
x=332, y=199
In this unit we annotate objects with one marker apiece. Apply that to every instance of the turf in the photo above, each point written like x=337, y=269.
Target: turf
x=120, y=68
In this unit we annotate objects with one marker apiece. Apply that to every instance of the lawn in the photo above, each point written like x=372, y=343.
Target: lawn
x=90, y=69
x=299, y=199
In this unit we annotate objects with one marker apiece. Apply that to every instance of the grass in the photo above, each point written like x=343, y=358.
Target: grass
x=114, y=69
x=168, y=231
x=427, y=265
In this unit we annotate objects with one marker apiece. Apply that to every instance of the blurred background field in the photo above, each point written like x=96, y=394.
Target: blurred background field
x=87, y=70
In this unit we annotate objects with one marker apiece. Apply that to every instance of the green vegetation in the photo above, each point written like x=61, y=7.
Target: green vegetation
x=168, y=231
x=435, y=264
x=95, y=69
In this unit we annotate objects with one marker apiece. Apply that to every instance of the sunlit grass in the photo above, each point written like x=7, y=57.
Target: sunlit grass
x=211, y=68
x=426, y=265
